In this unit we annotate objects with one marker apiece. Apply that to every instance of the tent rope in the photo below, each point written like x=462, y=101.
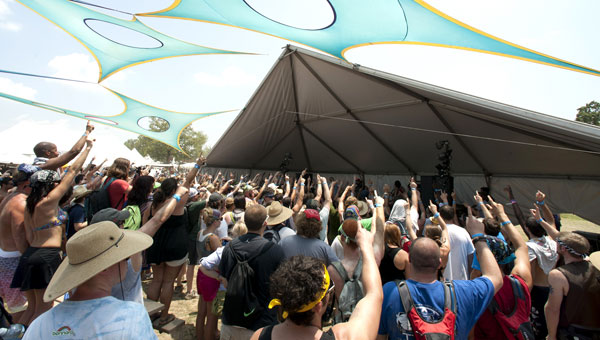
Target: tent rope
x=47, y=77
x=94, y=5
x=448, y=133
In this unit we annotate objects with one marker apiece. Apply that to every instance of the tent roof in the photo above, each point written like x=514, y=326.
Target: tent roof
x=336, y=117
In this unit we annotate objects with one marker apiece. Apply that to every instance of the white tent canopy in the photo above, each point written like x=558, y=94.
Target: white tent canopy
x=336, y=117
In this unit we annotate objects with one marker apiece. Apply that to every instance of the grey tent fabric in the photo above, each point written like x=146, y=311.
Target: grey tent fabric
x=339, y=118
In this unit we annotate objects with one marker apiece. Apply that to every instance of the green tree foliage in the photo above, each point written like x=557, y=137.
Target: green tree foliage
x=191, y=141
x=590, y=113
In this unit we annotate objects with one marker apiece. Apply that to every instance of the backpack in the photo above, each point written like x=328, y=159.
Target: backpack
x=351, y=293
x=423, y=330
x=515, y=325
x=241, y=301
x=134, y=221
x=273, y=234
x=98, y=200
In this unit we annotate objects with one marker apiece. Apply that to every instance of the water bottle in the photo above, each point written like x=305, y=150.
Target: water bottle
x=14, y=332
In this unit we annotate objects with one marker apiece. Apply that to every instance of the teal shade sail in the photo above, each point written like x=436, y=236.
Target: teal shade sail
x=132, y=117
x=83, y=24
x=358, y=23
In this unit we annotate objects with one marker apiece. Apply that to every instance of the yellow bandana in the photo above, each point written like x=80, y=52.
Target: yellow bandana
x=305, y=308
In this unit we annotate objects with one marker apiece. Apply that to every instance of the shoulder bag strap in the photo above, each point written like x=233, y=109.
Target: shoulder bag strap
x=405, y=298
x=341, y=270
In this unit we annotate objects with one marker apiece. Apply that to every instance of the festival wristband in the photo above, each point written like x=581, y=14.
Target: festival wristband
x=505, y=223
x=413, y=188
x=84, y=135
x=540, y=202
x=477, y=235
x=540, y=220
x=177, y=197
x=196, y=166
x=377, y=205
x=443, y=204
x=436, y=215
x=295, y=188
x=302, y=184
x=480, y=203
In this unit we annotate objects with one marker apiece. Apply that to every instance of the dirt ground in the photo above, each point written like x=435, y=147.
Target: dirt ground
x=187, y=309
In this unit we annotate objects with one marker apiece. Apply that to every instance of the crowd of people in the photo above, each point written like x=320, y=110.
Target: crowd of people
x=281, y=256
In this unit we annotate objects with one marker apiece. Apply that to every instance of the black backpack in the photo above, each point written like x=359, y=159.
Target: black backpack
x=241, y=301
x=98, y=200
x=273, y=234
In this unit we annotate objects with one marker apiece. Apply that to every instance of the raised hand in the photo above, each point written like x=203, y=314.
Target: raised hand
x=89, y=127
x=477, y=197
x=432, y=208
x=540, y=196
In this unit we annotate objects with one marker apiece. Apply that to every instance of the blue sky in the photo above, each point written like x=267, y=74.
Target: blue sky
x=566, y=30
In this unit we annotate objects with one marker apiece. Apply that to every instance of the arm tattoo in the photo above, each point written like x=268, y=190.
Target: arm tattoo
x=550, y=289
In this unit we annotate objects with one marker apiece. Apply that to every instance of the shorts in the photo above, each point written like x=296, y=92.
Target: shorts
x=193, y=258
x=13, y=297
x=216, y=306
x=235, y=333
x=177, y=263
x=207, y=287
x=36, y=267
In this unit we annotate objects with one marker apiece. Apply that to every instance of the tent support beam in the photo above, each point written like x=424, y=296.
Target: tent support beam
x=331, y=148
x=295, y=92
x=276, y=144
x=349, y=111
x=458, y=139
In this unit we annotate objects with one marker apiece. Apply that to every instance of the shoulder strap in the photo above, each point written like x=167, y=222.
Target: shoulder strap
x=405, y=298
x=262, y=250
x=341, y=270
x=358, y=269
x=266, y=332
x=107, y=183
x=449, y=296
x=328, y=335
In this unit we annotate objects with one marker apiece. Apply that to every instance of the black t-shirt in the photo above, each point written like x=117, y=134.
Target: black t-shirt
x=263, y=266
x=76, y=215
x=387, y=269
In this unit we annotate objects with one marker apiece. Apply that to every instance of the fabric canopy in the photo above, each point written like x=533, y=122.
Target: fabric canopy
x=336, y=117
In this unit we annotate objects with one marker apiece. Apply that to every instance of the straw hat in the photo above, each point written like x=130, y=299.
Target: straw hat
x=79, y=191
x=595, y=259
x=363, y=208
x=91, y=250
x=276, y=213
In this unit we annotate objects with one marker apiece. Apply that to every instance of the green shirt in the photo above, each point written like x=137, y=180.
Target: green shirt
x=193, y=210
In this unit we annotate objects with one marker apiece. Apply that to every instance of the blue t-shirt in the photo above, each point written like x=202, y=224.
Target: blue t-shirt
x=473, y=297
x=76, y=215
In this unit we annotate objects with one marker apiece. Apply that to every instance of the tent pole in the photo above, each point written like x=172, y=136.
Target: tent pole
x=298, y=124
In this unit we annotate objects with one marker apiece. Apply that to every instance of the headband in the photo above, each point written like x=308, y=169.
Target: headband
x=311, y=305
x=569, y=249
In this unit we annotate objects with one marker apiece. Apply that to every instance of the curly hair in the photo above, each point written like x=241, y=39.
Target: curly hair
x=119, y=169
x=307, y=227
x=391, y=235
x=142, y=187
x=296, y=283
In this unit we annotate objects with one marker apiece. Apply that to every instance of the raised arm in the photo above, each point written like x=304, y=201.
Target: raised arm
x=287, y=186
x=192, y=174
x=442, y=223
x=64, y=158
x=540, y=198
x=550, y=229
x=58, y=192
x=299, y=201
x=151, y=227
x=479, y=201
x=319, y=189
x=489, y=267
x=361, y=325
x=517, y=209
x=341, y=202
x=377, y=228
x=409, y=223
x=522, y=266
x=326, y=193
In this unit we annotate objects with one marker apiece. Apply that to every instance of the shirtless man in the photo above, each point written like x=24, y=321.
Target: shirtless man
x=12, y=235
x=47, y=156
x=6, y=186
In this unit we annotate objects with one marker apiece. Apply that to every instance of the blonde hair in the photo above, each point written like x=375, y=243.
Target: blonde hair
x=239, y=229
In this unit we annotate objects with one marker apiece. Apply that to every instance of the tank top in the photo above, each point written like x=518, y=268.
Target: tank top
x=170, y=241
x=387, y=269
x=581, y=306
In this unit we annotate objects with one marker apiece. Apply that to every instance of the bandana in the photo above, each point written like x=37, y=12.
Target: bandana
x=311, y=305
x=28, y=169
x=312, y=214
x=569, y=249
x=502, y=252
x=43, y=177
x=351, y=212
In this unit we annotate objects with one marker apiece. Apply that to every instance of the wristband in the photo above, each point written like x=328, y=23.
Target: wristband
x=295, y=188
x=177, y=197
x=437, y=189
x=477, y=235
x=480, y=203
x=540, y=220
x=302, y=184
x=436, y=215
x=479, y=238
x=287, y=182
x=540, y=202
x=85, y=134
x=66, y=170
x=377, y=205
x=513, y=202
x=413, y=188
x=453, y=203
x=196, y=166
x=505, y=223
x=443, y=204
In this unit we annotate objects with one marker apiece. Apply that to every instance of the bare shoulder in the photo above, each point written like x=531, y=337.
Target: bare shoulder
x=558, y=281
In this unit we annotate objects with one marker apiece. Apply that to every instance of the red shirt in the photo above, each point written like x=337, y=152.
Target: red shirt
x=117, y=192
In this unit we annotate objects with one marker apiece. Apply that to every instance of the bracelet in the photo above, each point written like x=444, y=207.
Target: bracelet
x=295, y=188
x=413, y=188
x=377, y=205
x=513, y=202
x=540, y=203
x=85, y=134
x=196, y=166
x=505, y=223
x=540, y=220
x=443, y=204
x=477, y=235
x=479, y=238
x=302, y=184
x=480, y=203
x=177, y=197
x=436, y=215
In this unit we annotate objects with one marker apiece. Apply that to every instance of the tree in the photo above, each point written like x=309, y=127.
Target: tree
x=191, y=141
x=590, y=113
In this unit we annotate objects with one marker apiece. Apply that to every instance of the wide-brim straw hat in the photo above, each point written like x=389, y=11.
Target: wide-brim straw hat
x=79, y=191
x=363, y=208
x=90, y=251
x=595, y=259
x=277, y=213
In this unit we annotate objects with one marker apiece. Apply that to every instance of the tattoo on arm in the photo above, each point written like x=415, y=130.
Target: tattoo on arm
x=550, y=289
